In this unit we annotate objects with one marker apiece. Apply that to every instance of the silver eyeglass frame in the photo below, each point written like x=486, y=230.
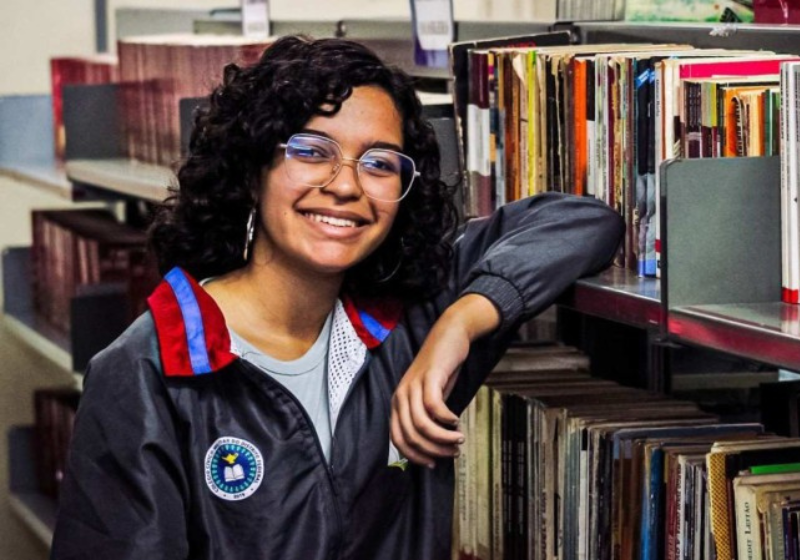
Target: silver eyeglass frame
x=356, y=161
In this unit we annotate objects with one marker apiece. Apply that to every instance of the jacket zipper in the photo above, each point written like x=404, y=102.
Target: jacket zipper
x=310, y=424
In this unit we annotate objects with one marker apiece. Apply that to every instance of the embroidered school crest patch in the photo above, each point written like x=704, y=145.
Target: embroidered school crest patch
x=234, y=468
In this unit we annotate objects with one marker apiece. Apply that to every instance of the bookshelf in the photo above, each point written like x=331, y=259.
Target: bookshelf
x=763, y=332
x=34, y=509
x=619, y=295
x=26, y=145
x=123, y=177
x=668, y=311
x=103, y=308
x=722, y=281
x=37, y=512
x=46, y=177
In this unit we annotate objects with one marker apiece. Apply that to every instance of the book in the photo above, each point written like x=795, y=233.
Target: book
x=67, y=71
x=749, y=496
x=724, y=462
x=74, y=250
x=157, y=71
x=460, y=56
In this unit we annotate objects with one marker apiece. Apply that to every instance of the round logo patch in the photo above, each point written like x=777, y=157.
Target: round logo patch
x=234, y=468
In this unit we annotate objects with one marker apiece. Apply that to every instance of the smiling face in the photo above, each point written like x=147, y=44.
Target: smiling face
x=328, y=230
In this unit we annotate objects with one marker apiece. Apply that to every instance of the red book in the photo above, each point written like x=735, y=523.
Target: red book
x=776, y=11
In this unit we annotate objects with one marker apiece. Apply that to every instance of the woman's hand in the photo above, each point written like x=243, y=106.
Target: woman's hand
x=419, y=413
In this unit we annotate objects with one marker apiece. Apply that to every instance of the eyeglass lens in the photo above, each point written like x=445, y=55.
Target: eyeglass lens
x=314, y=161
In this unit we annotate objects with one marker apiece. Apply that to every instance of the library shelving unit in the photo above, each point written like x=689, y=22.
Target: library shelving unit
x=26, y=144
x=721, y=277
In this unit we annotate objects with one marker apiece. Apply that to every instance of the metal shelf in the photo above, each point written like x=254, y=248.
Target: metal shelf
x=34, y=509
x=37, y=512
x=619, y=295
x=764, y=332
x=41, y=337
x=19, y=315
x=102, y=306
x=49, y=178
x=123, y=176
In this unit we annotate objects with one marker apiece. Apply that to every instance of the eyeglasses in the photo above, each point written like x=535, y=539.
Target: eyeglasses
x=315, y=161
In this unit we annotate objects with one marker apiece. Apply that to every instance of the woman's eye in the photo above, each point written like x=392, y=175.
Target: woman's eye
x=310, y=152
x=378, y=164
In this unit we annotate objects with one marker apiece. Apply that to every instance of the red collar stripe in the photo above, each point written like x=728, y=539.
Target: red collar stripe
x=192, y=335
x=372, y=323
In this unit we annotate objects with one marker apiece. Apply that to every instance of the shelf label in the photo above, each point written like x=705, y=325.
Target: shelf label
x=255, y=18
x=433, y=31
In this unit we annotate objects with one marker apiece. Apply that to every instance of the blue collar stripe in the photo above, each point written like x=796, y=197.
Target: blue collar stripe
x=373, y=326
x=192, y=320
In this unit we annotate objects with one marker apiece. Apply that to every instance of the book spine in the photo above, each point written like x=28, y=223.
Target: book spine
x=496, y=475
x=784, y=155
x=718, y=502
x=482, y=487
x=748, y=547
x=794, y=183
x=591, y=130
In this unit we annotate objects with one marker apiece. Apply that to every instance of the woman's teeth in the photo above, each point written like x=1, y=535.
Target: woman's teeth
x=338, y=222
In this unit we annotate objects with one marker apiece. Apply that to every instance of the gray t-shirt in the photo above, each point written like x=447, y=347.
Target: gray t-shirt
x=306, y=378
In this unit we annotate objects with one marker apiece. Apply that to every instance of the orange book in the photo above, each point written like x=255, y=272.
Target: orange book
x=729, y=98
x=581, y=147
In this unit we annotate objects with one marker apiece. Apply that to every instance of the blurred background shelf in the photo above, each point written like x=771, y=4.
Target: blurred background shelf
x=43, y=176
x=37, y=512
x=19, y=315
x=122, y=176
x=33, y=508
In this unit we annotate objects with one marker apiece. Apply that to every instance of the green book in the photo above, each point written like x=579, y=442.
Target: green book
x=776, y=469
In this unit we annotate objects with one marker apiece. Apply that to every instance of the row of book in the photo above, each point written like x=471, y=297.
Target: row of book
x=54, y=416
x=75, y=251
x=157, y=71
x=600, y=119
x=560, y=465
x=71, y=71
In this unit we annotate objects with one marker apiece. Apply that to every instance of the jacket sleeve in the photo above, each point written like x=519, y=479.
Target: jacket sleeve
x=522, y=258
x=124, y=493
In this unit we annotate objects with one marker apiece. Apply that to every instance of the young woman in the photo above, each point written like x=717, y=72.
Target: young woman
x=315, y=304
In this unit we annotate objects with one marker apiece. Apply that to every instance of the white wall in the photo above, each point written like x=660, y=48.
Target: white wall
x=33, y=31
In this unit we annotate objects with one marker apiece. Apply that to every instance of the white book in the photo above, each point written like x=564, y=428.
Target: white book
x=750, y=508
x=794, y=182
x=784, y=155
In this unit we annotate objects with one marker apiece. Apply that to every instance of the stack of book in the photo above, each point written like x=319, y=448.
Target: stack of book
x=600, y=119
x=54, y=417
x=157, y=72
x=560, y=465
x=75, y=250
x=67, y=71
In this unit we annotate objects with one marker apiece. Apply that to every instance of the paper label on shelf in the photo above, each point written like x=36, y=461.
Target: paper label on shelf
x=433, y=23
x=255, y=18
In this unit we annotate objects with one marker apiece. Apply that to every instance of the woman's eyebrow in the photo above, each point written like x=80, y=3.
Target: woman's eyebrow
x=375, y=145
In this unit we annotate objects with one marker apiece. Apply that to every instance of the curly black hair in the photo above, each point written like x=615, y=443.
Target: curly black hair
x=201, y=227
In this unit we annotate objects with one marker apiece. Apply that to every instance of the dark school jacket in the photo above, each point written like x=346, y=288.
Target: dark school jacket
x=183, y=450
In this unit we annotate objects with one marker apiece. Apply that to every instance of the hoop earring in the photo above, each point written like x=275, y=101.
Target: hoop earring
x=396, y=267
x=251, y=228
